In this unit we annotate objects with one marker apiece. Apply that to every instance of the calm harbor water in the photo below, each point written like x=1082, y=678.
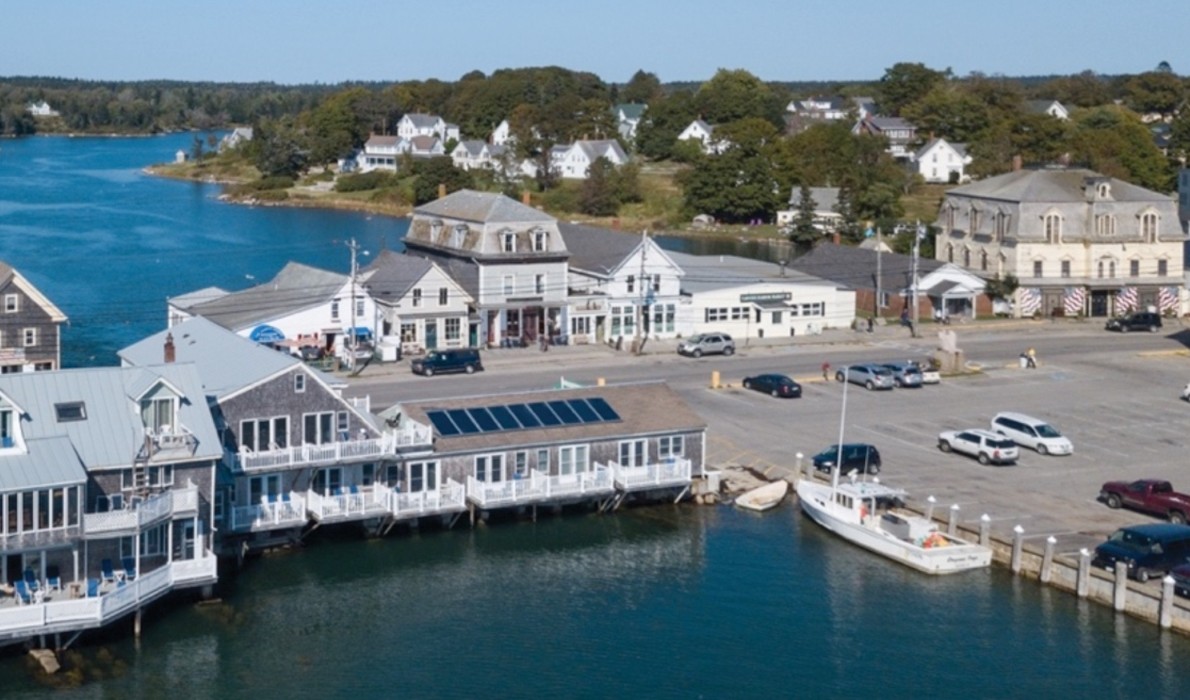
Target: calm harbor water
x=667, y=602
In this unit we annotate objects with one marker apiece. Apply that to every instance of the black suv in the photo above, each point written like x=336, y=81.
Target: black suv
x=856, y=455
x=1139, y=321
x=443, y=361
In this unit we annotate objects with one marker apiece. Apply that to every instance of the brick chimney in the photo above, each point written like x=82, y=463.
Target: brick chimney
x=441, y=190
x=170, y=353
x=526, y=198
x=1016, y=163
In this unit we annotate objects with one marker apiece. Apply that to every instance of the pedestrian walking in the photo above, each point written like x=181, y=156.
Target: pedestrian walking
x=1031, y=358
x=826, y=371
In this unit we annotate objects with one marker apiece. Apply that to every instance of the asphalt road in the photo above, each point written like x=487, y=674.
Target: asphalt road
x=1114, y=395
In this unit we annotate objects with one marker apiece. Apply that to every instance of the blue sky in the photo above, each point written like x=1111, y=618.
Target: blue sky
x=302, y=41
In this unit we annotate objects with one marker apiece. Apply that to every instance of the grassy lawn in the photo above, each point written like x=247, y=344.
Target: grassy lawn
x=923, y=201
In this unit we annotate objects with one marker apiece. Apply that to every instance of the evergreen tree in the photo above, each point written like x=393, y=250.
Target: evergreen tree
x=804, y=234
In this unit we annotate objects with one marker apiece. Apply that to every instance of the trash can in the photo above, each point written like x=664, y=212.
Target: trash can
x=1024, y=360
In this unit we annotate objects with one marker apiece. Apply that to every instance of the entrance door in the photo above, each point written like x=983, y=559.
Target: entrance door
x=1099, y=301
x=329, y=481
x=489, y=468
x=632, y=453
x=432, y=334
x=185, y=548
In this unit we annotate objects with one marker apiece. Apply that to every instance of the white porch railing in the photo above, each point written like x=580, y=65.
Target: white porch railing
x=414, y=434
x=61, y=613
x=672, y=472
x=144, y=513
x=328, y=453
x=539, y=487
x=368, y=501
x=450, y=497
x=287, y=510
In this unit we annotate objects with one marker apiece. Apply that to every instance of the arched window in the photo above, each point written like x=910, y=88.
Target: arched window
x=1053, y=228
x=1100, y=269
x=983, y=260
x=950, y=252
x=1148, y=227
x=967, y=257
x=1111, y=269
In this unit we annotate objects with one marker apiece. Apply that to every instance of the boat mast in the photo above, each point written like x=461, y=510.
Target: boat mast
x=842, y=421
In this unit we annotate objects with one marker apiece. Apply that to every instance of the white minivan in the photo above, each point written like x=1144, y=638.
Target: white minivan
x=1032, y=432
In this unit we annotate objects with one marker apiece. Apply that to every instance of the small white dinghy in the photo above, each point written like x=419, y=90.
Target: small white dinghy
x=764, y=497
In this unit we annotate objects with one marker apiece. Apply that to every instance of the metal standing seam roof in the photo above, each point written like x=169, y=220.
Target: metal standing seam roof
x=111, y=432
x=644, y=409
x=49, y=463
x=704, y=273
x=226, y=362
x=199, y=296
x=482, y=207
x=295, y=288
x=856, y=267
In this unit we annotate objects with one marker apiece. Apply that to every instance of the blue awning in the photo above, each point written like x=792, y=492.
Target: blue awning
x=266, y=334
x=358, y=331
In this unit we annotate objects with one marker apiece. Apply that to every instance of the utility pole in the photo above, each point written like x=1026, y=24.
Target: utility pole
x=879, y=273
x=642, y=312
x=354, y=334
x=918, y=232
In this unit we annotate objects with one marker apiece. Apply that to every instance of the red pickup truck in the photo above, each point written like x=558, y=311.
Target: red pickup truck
x=1148, y=496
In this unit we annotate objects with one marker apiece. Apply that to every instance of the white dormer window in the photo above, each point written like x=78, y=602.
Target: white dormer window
x=509, y=243
x=1105, y=225
x=158, y=414
x=1104, y=190
x=1148, y=227
x=8, y=427
x=416, y=298
x=1053, y=228
x=12, y=303
x=458, y=236
x=539, y=241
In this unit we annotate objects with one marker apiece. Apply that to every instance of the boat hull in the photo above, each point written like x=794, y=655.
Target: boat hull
x=764, y=498
x=817, y=503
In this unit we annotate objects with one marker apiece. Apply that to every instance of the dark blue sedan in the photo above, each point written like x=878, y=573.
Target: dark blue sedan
x=775, y=385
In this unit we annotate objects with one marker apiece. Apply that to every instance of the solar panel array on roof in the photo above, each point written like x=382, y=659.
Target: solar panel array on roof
x=519, y=416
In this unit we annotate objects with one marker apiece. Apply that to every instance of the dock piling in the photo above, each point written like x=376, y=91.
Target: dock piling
x=985, y=529
x=930, y=507
x=1047, y=559
x=1018, y=540
x=1166, y=617
x=953, y=524
x=1120, y=590
x=1084, y=571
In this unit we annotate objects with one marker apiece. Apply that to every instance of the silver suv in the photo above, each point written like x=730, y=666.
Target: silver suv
x=707, y=344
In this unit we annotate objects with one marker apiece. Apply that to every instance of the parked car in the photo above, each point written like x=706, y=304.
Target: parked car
x=1181, y=579
x=1032, y=432
x=707, y=344
x=1139, y=321
x=1152, y=496
x=776, y=385
x=444, y=361
x=867, y=375
x=309, y=353
x=859, y=456
x=905, y=374
x=1147, y=550
x=984, y=445
x=929, y=372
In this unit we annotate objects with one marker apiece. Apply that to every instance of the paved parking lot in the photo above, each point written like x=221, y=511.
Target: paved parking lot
x=1121, y=412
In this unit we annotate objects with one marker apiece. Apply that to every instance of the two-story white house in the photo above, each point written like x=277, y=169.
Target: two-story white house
x=574, y=161
x=419, y=307
x=628, y=116
x=301, y=305
x=414, y=124
x=477, y=155
x=380, y=153
x=619, y=284
x=509, y=257
x=1079, y=242
x=941, y=161
x=700, y=131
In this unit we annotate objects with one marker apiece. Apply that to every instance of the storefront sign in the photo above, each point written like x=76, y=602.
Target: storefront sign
x=766, y=298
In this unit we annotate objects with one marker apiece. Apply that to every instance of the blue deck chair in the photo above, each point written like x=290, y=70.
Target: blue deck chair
x=22, y=592
x=92, y=588
x=53, y=578
x=31, y=579
x=129, y=568
x=105, y=567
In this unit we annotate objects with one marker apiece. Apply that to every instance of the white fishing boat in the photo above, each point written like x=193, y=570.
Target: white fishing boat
x=764, y=497
x=872, y=515
x=868, y=514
